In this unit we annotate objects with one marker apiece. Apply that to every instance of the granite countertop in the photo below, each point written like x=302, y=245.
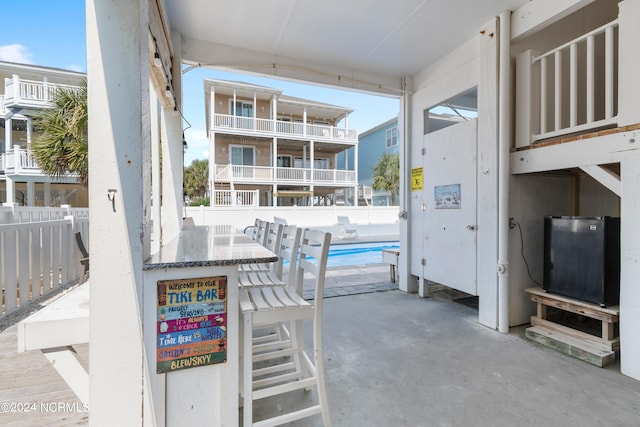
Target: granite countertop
x=209, y=246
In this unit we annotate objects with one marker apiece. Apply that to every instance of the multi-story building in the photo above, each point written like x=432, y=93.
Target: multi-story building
x=270, y=149
x=26, y=91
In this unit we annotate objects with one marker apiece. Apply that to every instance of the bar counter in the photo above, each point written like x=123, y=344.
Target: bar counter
x=191, y=303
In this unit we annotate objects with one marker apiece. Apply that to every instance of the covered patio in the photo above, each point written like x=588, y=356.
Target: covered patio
x=437, y=367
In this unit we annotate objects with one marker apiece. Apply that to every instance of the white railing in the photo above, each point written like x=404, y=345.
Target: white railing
x=266, y=127
x=2, y=107
x=33, y=93
x=19, y=160
x=569, y=89
x=235, y=198
x=37, y=257
x=265, y=174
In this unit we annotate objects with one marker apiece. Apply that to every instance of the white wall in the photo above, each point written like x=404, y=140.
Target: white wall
x=472, y=64
x=369, y=221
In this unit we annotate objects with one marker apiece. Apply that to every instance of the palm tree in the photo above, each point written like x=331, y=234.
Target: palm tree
x=196, y=178
x=386, y=175
x=61, y=147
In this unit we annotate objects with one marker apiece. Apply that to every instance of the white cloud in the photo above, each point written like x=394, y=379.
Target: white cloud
x=16, y=53
x=205, y=154
x=78, y=68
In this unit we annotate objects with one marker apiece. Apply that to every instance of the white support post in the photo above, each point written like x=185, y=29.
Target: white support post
x=29, y=131
x=47, y=194
x=557, y=84
x=156, y=180
x=630, y=268
x=527, y=99
x=31, y=193
x=573, y=85
x=628, y=63
x=8, y=127
x=590, y=99
x=543, y=95
x=118, y=75
x=608, y=73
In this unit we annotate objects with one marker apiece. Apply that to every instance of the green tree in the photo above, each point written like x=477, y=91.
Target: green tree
x=196, y=179
x=386, y=175
x=61, y=143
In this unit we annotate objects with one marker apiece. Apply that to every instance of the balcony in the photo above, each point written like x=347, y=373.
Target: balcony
x=19, y=161
x=21, y=93
x=274, y=128
x=279, y=175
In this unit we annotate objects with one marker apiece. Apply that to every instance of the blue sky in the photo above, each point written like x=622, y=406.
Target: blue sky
x=52, y=34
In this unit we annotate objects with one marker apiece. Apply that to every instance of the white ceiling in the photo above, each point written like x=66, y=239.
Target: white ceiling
x=392, y=38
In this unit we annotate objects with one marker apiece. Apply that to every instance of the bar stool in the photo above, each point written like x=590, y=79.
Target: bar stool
x=273, y=242
x=268, y=305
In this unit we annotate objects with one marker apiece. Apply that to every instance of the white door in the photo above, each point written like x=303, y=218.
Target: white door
x=449, y=226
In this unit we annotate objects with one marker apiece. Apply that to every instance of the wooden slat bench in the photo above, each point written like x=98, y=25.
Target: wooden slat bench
x=597, y=350
x=54, y=330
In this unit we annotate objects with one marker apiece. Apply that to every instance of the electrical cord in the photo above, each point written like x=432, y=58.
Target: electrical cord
x=523, y=257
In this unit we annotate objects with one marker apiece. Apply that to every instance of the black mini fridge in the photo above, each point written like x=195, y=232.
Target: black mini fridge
x=582, y=258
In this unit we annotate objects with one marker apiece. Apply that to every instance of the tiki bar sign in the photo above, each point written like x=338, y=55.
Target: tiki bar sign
x=192, y=323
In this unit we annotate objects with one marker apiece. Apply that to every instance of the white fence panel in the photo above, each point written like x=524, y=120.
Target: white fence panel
x=37, y=257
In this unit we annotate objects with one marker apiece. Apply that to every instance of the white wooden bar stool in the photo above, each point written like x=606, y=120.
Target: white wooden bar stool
x=287, y=249
x=274, y=240
x=268, y=305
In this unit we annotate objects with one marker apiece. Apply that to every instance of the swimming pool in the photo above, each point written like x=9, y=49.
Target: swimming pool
x=354, y=254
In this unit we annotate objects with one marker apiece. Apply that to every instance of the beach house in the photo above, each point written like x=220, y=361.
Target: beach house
x=25, y=91
x=270, y=149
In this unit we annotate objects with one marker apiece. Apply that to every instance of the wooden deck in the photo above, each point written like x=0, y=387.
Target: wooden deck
x=31, y=387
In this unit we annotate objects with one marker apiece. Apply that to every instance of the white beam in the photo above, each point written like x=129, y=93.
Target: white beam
x=605, y=177
x=536, y=15
x=215, y=55
x=594, y=151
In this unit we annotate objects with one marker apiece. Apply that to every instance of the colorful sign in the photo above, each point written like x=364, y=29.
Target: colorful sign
x=417, y=179
x=192, y=323
x=447, y=196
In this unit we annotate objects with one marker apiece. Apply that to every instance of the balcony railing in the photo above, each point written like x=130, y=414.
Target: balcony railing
x=235, y=198
x=276, y=128
x=19, y=161
x=570, y=89
x=270, y=175
x=2, y=107
x=30, y=93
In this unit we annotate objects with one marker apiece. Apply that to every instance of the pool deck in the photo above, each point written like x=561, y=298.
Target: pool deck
x=392, y=359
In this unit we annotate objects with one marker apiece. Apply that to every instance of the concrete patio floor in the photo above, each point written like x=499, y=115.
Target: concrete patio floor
x=394, y=359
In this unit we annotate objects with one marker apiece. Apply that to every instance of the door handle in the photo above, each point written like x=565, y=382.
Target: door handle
x=471, y=227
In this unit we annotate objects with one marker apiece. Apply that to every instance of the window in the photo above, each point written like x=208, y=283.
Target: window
x=321, y=163
x=243, y=109
x=451, y=112
x=284, y=161
x=392, y=137
x=242, y=155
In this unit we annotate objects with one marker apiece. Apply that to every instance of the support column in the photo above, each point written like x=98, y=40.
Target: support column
x=47, y=194
x=29, y=131
x=118, y=75
x=630, y=268
x=156, y=178
x=406, y=282
x=11, y=190
x=8, y=127
x=173, y=153
x=31, y=193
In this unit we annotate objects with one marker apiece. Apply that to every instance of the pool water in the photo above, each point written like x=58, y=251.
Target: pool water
x=354, y=254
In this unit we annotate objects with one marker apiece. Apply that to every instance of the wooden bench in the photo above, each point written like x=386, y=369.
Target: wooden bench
x=54, y=330
x=597, y=349
x=390, y=256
